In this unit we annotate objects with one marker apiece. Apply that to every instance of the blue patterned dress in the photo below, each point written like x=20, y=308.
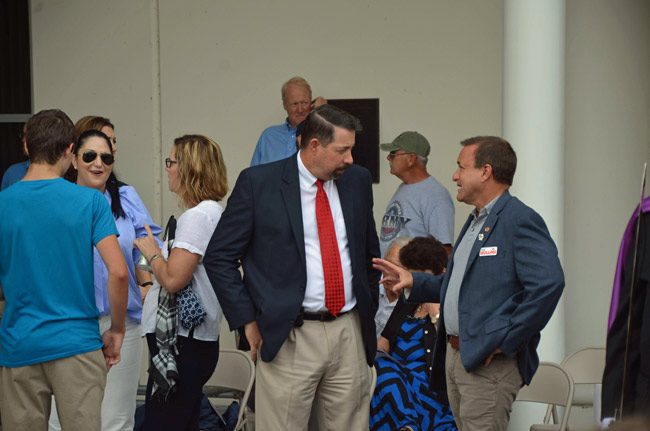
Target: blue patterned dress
x=402, y=396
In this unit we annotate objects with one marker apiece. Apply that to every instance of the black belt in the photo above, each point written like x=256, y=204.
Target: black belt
x=324, y=316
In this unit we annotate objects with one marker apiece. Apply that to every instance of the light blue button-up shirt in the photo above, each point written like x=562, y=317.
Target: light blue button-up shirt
x=129, y=228
x=275, y=143
x=14, y=173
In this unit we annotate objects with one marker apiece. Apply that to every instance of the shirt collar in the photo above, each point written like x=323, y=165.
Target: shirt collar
x=289, y=126
x=485, y=211
x=307, y=179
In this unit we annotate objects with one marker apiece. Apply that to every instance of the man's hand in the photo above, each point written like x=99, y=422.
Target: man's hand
x=488, y=360
x=319, y=101
x=392, y=297
x=254, y=338
x=383, y=345
x=112, y=344
x=395, y=278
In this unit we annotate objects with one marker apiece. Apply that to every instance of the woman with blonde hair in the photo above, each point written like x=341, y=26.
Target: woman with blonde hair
x=185, y=350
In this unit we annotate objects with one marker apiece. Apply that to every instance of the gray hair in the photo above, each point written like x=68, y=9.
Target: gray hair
x=398, y=242
x=423, y=160
x=297, y=81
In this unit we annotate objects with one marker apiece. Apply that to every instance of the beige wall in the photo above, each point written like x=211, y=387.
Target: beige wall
x=222, y=68
x=93, y=57
x=435, y=66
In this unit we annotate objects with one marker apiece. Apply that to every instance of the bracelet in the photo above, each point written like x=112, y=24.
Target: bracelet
x=154, y=257
x=147, y=283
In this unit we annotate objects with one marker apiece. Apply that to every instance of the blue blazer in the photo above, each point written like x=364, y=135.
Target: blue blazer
x=505, y=300
x=262, y=230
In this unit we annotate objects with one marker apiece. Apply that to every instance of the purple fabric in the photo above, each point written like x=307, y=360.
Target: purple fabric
x=626, y=244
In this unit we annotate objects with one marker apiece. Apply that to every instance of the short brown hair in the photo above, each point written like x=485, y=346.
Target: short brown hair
x=92, y=122
x=424, y=253
x=496, y=152
x=202, y=172
x=48, y=134
x=321, y=121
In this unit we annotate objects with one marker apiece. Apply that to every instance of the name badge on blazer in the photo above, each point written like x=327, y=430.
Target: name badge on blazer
x=488, y=251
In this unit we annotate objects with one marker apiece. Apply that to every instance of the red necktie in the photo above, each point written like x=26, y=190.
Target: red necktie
x=329, y=250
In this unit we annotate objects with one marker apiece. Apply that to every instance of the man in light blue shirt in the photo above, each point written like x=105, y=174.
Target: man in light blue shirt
x=279, y=142
x=17, y=171
x=14, y=173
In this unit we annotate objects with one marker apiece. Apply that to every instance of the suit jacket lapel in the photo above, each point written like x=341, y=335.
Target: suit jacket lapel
x=290, y=189
x=450, y=264
x=347, y=206
x=488, y=228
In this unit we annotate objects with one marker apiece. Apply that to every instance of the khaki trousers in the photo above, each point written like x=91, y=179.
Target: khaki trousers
x=118, y=405
x=482, y=400
x=77, y=383
x=322, y=363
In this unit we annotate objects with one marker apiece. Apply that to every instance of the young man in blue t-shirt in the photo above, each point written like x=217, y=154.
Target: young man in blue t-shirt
x=49, y=334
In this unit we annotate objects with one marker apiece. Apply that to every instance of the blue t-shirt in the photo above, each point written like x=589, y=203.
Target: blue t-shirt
x=275, y=143
x=47, y=234
x=14, y=173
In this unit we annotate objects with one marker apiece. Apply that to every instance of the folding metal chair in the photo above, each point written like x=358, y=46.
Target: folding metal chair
x=551, y=385
x=232, y=380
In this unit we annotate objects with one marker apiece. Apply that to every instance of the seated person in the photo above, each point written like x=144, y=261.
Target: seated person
x=387, y=300
x=405, y=352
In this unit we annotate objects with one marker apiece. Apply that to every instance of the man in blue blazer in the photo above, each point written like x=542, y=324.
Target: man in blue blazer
x=309, y=350
x=501, y=287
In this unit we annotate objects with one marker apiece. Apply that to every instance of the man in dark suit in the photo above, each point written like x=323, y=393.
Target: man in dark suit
x=501, y=287
x=303, y=230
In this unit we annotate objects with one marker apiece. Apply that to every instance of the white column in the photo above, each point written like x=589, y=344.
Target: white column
x=533, y=122
x=156, y=118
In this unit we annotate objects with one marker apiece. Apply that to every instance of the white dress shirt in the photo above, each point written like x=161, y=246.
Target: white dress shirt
x=315, y=290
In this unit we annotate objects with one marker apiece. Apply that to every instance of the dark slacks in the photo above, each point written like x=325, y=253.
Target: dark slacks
x=196, y=362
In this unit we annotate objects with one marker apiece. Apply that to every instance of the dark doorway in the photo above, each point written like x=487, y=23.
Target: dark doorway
x=15, y=79
x=366, y=149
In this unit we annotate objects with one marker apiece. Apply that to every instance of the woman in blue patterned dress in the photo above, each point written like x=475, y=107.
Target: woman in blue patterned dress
x=402, y=398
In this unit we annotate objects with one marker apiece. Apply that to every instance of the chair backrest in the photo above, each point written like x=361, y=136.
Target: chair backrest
x=586, y=366
x=235, y=374
x=551, y=384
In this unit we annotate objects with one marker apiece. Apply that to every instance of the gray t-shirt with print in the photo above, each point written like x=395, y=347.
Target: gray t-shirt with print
x=420, y=209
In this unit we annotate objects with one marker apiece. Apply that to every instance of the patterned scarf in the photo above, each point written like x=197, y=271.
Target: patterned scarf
x=164, y=371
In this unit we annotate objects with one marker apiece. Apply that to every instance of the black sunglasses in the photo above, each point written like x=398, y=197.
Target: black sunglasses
x=90, y=156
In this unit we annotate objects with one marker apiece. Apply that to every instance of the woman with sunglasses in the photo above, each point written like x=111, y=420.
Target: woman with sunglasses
x=185, y=355
x=92, y=165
